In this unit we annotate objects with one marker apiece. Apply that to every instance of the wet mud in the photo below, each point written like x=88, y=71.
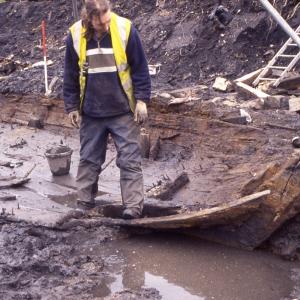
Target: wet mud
x=100, y=262
x=223, y=161
x=43, y=264
x=108, y=263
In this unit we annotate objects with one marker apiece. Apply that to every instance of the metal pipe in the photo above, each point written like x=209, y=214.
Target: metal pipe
x=281, y=21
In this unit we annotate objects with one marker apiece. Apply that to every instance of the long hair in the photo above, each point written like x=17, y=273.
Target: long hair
x=93, y=8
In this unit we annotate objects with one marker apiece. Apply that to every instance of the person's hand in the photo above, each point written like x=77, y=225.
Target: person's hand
x=74, y=118
x=140, y=113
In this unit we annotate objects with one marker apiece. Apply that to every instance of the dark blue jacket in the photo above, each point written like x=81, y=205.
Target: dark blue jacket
x=104, y=93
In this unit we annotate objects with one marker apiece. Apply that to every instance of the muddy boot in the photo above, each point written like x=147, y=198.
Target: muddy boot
x=296, y=142
x=85, y=206
x=130, y=213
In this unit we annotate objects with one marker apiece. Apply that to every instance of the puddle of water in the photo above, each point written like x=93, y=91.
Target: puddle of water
x=168, y=290
x=184, y=268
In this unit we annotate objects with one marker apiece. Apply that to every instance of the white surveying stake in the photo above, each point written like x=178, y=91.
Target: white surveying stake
x=289, y=60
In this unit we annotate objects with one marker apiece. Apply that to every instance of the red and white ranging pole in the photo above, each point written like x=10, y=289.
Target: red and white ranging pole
x=45, y=54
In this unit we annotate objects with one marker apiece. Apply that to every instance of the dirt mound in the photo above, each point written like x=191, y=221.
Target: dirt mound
x=192, y=40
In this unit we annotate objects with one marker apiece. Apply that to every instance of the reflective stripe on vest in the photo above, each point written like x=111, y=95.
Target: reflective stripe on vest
x=79, y=44
x=119, y=30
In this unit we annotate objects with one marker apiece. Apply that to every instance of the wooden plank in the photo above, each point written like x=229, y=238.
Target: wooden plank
x=13, y=183
x=168, y=187
x=276, y=208
x=250, y=91
x=5, y=196
x=203, y=218
x=249, y=78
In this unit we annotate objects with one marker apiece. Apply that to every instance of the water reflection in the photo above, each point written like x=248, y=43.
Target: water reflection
x=135, y=281
x=183, y=268
x=167, y=290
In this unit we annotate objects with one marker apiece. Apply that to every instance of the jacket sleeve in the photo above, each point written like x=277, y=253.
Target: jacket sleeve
x=139, y=67
x=71, y=87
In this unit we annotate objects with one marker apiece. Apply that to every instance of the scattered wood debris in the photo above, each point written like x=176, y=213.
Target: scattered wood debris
x=5, y=196
x=10, y=164
x=19, y=143
x=249, y=78
x=166, y=188
x=250, y=92
x=13, y=182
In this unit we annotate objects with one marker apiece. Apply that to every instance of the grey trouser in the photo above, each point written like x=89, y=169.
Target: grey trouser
x=93, y=140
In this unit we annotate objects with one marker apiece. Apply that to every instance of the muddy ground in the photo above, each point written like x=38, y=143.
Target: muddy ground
x=37, y=263
x=218, y=156
x=40, y=263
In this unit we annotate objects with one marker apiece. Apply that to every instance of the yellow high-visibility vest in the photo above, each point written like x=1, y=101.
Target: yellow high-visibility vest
x=119, y=30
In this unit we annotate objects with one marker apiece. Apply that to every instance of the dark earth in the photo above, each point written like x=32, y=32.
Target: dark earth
x=191, y=46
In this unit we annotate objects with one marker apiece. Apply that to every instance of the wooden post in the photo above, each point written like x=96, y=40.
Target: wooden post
x=145, y=143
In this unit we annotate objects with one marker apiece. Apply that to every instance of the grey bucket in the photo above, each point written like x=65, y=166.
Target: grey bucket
x=59, y=159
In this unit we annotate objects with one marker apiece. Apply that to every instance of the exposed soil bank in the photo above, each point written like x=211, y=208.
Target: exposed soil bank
x=190, y=45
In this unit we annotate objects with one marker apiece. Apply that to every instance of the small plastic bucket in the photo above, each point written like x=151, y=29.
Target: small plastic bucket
x=59, y=159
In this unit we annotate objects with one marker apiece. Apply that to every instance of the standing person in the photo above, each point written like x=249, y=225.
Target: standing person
x=107, y=81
